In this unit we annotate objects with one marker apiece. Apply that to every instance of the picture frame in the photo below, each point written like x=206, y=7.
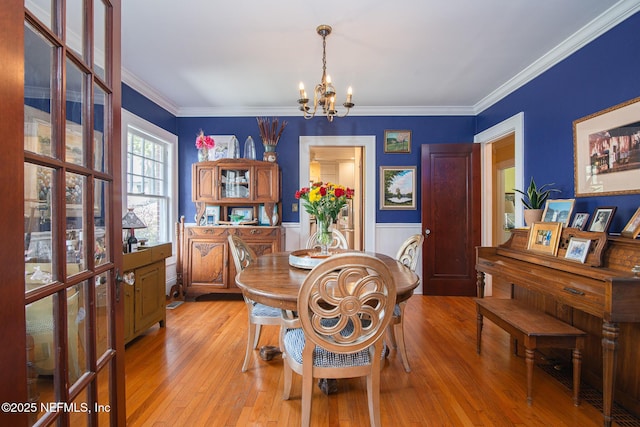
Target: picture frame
x=544, y=237
x=263, y=219
x=212, y=215
x=580, y=221
x=247, y=213
x=632, y=229
x=398, y=187
x=601, y=219
x=221, y=147
x=558, y=210
x=578, y=249
x=605, y=145
x=397, y=141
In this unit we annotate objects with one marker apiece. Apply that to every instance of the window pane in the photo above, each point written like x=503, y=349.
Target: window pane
x=77, y=332
x=153, y=212
x=101, y=207
x=38, y=244
x=79, y=418
x=104, y=399
x=99, y=37
x=103, y=307
x=42, y=10
x=75, y=26
x=41, y=354
x=76, y=189
x=38, y=59
x=99, y=103
x=75, y=99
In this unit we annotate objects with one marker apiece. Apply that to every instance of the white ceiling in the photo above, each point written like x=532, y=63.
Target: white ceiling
x=247, y=57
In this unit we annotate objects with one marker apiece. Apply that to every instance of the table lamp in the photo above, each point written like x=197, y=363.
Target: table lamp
x=130, y=222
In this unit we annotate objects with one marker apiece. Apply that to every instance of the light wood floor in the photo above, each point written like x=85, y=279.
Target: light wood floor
x=188, y=374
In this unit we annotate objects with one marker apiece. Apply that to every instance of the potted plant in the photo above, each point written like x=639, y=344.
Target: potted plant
x=534, y=200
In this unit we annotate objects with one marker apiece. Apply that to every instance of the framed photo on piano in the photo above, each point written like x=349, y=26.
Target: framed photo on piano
x=632, y=229
x=544, y=237
x=601, y=218
x=578, y=249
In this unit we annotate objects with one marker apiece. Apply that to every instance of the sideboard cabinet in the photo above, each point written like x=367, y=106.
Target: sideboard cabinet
x=205, y=263
x=144, y=301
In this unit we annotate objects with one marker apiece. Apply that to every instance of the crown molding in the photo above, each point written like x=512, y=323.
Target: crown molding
x=356, y=111
x=147, y=91
x=592, y=30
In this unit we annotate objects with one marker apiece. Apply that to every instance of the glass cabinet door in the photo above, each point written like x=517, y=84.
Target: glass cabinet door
x=234, y=183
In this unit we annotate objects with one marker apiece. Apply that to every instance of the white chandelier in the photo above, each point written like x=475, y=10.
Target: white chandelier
x=324, y=93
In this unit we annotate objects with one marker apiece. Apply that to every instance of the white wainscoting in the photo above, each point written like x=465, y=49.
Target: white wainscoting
x=389, y=237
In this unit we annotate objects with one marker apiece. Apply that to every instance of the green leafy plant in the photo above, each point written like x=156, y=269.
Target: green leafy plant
x=535, y=197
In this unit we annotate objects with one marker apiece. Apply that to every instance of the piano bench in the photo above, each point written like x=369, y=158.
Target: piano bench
x=535, y=329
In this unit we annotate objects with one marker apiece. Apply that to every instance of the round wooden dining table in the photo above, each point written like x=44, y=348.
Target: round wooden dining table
x=273, y=282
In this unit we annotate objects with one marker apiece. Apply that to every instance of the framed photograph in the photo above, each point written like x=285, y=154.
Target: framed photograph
x=558, y=210
x=263, y=219
x=607, y=151
x=221, y=147
x=247, y=213
x=601, y=218
x=578, y=249
x=212, y=215
x=397, y=141
x=544, y=237
x=580, y=221
x=632, y=229
x=397, y=187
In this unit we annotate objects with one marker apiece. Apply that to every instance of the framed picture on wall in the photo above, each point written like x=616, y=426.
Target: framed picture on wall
x=605, y=151
x=397, y=141
x=397, y=187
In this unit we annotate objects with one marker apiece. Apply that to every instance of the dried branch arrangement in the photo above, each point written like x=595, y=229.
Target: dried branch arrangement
x=270, y=131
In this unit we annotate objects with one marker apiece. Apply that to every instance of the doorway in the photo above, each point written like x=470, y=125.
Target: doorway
x=503, y=195
x=341, y=165
x=367, y=179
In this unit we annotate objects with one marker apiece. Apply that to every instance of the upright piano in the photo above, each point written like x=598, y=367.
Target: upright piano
x=600, y=296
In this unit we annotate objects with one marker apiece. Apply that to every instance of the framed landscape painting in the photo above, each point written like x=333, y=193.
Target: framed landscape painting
x=397, y=187
x=397, y=141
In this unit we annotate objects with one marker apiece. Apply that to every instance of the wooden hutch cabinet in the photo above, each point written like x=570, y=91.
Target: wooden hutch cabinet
x=204, y=259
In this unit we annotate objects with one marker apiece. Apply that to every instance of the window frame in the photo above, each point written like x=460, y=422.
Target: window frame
x=131, y=120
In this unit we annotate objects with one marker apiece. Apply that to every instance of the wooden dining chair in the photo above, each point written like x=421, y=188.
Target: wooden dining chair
x=344, y=306
x=259, y=314
x=338, y=240
x=408, y=254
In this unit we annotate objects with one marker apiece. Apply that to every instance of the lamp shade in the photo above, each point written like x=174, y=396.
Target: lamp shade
x=131, y=220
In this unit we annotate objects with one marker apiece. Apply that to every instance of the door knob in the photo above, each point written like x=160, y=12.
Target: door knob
x=129, y=277
x=427, y=231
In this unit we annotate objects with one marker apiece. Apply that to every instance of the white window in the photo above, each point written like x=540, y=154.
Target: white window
x=150, y=178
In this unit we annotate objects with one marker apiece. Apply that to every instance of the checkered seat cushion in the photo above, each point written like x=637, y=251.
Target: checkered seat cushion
x=264, y=310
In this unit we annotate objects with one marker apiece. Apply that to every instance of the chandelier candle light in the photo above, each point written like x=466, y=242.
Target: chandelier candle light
x=270, y=133
x=324, y=201
x=324, y=93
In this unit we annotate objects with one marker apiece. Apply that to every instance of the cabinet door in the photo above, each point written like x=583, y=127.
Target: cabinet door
x=234, y=183
x=129, y=314
x=267, y=183
x=207, y=263
x=150, y=295
x=203, y=182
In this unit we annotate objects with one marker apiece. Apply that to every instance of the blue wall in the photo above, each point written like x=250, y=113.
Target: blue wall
x=598, y=76
x=425, y=130
x=602, y=74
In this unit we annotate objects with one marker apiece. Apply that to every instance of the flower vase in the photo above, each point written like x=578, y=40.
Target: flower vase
x=324, y=235
x=203, y=154
x=270, y=154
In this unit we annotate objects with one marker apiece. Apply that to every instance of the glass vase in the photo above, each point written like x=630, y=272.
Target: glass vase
x=203, y=154
x=324, y=235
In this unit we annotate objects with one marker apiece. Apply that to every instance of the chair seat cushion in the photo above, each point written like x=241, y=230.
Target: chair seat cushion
x=294, y=341
x=396, y=311
x=265, y=311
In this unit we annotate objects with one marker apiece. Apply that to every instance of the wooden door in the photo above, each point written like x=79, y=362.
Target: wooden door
x=451, y=215
x=61, y=308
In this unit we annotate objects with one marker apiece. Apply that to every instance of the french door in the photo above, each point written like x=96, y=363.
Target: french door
x=60, y=119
